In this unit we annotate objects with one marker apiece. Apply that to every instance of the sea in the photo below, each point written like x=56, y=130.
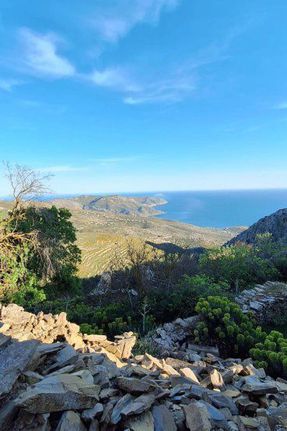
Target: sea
x=221, y=208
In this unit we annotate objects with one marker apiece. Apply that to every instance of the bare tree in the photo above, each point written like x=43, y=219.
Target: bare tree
x=26, y=184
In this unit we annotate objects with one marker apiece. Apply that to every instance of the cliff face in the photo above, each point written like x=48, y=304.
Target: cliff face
x=52, y=377
x=276, y=224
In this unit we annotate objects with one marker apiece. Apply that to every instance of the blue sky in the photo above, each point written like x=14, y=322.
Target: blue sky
x=139, y=95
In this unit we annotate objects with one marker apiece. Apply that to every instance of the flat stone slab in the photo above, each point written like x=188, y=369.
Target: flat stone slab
x=14, y=359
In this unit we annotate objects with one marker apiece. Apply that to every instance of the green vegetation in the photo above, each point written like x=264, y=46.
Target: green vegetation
x=38, y=252
x=242, y=265
x=235, y=333
x=272, y=354
x=225, y=325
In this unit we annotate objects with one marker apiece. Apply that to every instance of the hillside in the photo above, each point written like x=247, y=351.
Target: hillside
x=130, y=205
x=275, y=224
x=103, y=235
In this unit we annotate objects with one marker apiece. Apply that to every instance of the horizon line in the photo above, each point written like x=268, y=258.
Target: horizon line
x=151, y=191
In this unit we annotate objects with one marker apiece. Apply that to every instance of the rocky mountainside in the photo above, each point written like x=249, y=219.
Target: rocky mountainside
x=276, y=224
x=52, y=377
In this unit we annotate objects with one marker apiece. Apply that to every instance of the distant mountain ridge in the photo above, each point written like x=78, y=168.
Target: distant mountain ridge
x=275, y=224
x=129, y=205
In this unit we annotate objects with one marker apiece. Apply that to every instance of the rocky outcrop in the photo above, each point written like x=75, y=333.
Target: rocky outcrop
x=264, y=300
x=101, y=386
x=275, y=224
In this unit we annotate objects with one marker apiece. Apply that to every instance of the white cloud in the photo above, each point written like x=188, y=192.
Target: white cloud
x=171, y=89
x=114, y=78
x=9, y=84
x=61, y=169
x=281, y=106
x=41, y=57
x=121, y=16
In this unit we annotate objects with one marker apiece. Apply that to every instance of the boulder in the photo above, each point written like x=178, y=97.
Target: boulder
x=59, y=393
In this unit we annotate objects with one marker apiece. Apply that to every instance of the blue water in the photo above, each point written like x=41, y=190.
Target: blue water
x=217, y=208
x=221, y=208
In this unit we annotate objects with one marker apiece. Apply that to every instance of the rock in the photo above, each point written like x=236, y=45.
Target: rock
x=139, y=405
x=250, y=423
x=31, y=377
x=216, y=379
x=8, y=413
x=220, y=401
x=143, y=422
x=125, y=345
x=52, y=386
x=133, y=385
x=59, y=393
x=94, y=425
x=256, y=387
x=120, y=405
x=30, y=422
x=14, y=359
x=277, y=416
x=217, y=418
x=95, y=412
x=197, y=417
x=187, y=372
x=65, y=356
x=163, y=419
x=71, y=421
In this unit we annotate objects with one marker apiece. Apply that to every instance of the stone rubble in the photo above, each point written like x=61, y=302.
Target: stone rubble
x=263, y=297
x=54, y=378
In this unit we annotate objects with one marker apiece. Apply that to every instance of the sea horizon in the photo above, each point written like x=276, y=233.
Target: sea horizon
x=207, y=208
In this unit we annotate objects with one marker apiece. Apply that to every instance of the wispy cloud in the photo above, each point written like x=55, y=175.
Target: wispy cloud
x=170, y=90
x=281, y=106
x=116, y=78
x=119, y=18
x=9, y=84
x=61, y=169
x=41, y=57
x=167, y=86
x=135, y=91
x=111, y=161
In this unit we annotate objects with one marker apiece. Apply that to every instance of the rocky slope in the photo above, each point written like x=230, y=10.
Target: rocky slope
x=54, y=378
x=276, y=224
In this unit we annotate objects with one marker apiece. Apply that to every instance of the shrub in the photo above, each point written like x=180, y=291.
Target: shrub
x=224, y=324
x=271, y=354
x=239, y=265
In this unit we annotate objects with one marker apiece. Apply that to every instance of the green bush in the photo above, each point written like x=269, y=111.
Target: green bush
x=240, y=265
x=225, y=325
x=271, y=354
